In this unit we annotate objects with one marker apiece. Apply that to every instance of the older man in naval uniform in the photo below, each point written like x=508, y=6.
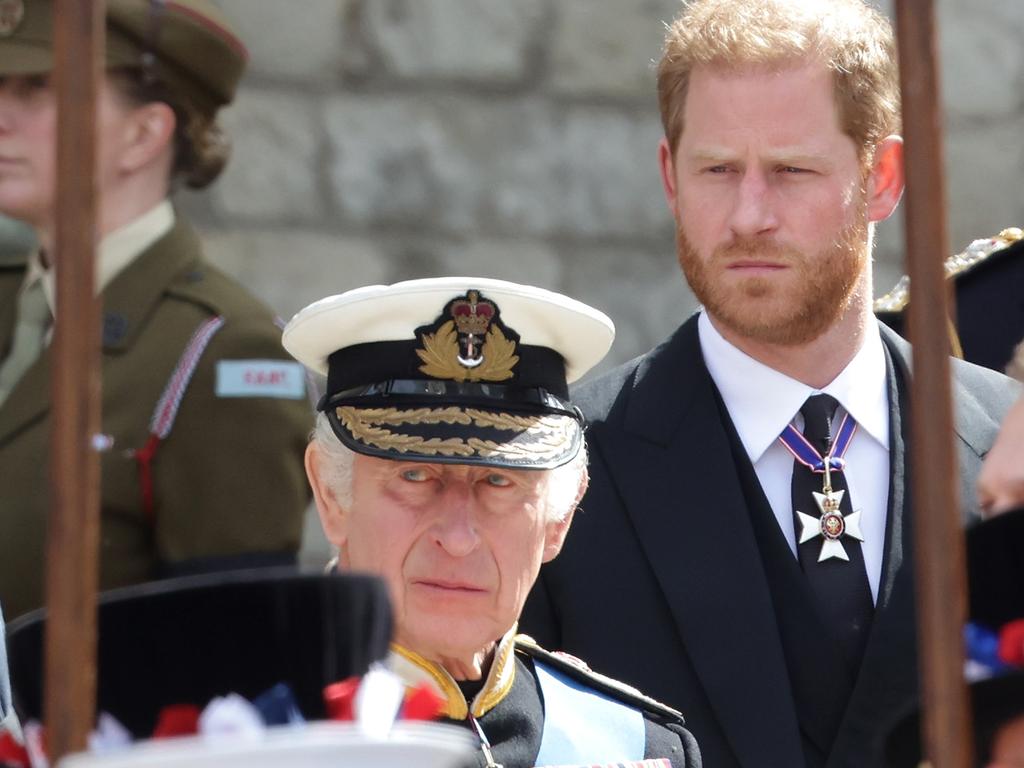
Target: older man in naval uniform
x=448, y=460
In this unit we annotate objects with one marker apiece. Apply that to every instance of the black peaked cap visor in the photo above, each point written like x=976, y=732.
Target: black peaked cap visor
x=525, y=423
x=457, y=423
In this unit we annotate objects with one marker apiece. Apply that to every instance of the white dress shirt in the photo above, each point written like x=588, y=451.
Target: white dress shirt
x=761, y=402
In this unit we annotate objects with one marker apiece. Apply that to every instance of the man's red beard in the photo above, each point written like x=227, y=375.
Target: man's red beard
x=814, y=293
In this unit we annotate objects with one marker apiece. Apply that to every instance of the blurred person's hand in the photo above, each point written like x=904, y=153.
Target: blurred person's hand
x=1001, y=482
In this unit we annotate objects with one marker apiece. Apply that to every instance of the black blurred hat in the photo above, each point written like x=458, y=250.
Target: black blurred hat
x=995, y=558
x=990, y=307
x=995, y=569
x=460, y=370
x=188, y=640
x=994, y=702
x=988, y=282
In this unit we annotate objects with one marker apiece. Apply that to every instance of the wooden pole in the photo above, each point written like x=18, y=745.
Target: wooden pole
x=73, y=525
x=938, y=538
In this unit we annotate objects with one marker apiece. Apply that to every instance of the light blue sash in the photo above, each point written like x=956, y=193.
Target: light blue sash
x=583, y=726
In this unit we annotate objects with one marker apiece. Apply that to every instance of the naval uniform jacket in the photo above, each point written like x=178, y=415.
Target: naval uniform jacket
x=510, y=707
x=226, y=486
x=676, y=578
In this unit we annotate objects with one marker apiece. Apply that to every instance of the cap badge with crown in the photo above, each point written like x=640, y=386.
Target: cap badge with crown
x=471, y=346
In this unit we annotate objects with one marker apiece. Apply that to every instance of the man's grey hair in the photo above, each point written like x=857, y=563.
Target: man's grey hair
x=336, y=460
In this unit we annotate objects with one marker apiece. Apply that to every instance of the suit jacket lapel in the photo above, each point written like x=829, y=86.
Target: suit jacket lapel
x=675, y=468
x=888, y=676
x=821, y=682
x=29, y=399
x=31, y=395
x=132, y=295
x=898, y=530
x=127, y=301
x=972, y=423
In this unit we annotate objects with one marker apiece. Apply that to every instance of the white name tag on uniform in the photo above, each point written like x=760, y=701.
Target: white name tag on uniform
x=260, y=378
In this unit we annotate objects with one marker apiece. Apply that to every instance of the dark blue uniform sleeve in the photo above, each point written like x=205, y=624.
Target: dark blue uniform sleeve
x=671, y=740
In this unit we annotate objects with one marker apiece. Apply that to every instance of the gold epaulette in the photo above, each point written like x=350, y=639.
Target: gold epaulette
x=975, y=253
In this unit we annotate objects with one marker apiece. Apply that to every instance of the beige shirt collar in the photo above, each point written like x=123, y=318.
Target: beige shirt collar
x=115, y=252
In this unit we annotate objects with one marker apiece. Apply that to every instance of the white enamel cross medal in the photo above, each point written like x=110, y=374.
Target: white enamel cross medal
x=831, y=525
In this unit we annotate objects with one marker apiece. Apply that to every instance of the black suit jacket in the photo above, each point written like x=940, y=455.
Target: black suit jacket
x=662, y=582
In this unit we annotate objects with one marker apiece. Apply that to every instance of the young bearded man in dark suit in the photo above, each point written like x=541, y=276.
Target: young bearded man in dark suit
x=743, y=552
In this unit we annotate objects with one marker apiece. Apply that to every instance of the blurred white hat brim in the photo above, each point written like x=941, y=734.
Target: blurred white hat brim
x=315, y=745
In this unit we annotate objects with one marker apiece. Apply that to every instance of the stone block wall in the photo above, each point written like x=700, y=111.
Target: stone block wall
x=379, y=140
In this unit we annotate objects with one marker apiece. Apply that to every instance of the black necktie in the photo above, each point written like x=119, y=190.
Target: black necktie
x=840, y=587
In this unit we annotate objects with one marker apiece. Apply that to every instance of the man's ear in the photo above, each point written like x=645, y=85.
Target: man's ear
x=554, y=537
x=667, y=165
x=147, y=135
x=333, y=517
x=885, y=179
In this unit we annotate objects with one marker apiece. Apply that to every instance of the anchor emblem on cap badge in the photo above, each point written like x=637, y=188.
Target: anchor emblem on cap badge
x=470, y=345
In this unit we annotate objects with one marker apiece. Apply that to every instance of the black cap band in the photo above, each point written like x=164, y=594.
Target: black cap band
x=352, y=367
x=406, y=392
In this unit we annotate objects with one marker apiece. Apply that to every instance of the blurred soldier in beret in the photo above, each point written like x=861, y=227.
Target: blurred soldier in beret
x=204, y=417
x=1001, y=482
x=448, y=460
x=987, y=278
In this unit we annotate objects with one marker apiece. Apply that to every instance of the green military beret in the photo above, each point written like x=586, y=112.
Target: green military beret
x=188, y=44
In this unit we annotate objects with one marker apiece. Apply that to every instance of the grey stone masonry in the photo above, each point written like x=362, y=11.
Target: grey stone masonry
x=273, y=176
x=291, y=41
x=515, y=167
x=485, y=42
x=380, y=140
x=607, y=48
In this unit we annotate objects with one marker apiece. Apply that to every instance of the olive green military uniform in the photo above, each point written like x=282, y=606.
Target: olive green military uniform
x=227, y=479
